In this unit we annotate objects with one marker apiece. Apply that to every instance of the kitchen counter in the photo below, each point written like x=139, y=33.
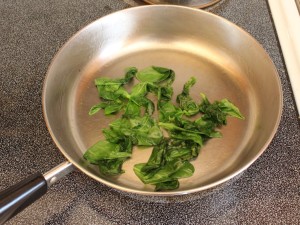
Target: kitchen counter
x=31, y=32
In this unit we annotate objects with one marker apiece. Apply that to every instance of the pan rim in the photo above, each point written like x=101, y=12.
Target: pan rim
x=175, y=192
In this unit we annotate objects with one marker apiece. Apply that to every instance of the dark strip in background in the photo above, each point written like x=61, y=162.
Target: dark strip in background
x=298, y=5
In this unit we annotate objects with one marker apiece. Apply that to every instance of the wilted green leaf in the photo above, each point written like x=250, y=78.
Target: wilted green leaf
x=104, y=150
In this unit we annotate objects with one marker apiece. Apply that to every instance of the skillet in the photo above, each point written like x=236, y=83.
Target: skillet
x=226, y=61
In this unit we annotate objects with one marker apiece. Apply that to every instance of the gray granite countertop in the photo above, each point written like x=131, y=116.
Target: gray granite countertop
x=31, y=32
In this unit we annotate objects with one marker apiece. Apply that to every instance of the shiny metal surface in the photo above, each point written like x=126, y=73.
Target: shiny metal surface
x=58, y=172
x=189, y=3
x=227, y=62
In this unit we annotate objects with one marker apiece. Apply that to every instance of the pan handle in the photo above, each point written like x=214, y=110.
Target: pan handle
x=17, y=197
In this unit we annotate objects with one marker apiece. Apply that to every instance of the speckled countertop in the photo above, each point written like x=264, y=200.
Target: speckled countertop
x=31, y=32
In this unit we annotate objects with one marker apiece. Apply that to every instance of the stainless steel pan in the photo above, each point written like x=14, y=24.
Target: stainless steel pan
x=190, y=3
x=227, y=62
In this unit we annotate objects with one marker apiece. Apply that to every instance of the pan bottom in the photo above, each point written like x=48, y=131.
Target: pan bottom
x=216, y=77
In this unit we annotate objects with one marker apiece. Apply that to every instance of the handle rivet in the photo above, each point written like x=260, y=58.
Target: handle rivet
x=53, y=180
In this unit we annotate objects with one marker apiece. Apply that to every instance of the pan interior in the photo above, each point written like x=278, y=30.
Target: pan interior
x=213, y=79
x=222, y=64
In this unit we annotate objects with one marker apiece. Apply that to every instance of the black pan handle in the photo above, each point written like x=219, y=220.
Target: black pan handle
x=17, y=197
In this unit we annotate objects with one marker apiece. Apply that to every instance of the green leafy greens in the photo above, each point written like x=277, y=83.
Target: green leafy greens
x=171, y=154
